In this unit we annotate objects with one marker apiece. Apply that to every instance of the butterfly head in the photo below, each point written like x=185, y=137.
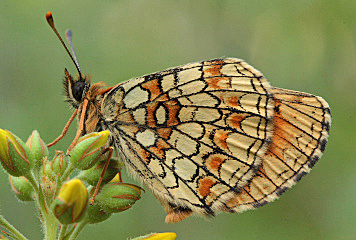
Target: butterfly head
x=75, y=89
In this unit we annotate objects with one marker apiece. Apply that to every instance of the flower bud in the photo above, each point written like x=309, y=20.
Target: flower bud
x=71, y=203
x=49, y=186
x=15, y=157
x=59, y=163
x=22, y=188
x=55, y=168
x=92, y=175
x=158, y=236
x=49, y=179
x=88, y=149
x=96, y=214
x=38, y=147
x=47, y=168
x=117, y=197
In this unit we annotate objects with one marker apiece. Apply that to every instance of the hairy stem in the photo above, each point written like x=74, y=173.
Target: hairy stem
x=49, y=221
x=63, y=232
x=11, y=228
x=78, y=229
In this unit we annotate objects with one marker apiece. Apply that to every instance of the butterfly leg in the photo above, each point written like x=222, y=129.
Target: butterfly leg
x=65, y=130
x=110, y=150
x=81, y=126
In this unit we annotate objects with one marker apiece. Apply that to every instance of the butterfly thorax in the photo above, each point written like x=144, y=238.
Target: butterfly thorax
x=93, y=116
x=86, y=98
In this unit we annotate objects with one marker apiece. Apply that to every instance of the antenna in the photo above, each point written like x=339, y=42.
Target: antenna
x=51, y=24
x=69, y=36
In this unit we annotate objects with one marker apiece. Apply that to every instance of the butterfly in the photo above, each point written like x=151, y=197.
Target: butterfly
x=205, y=137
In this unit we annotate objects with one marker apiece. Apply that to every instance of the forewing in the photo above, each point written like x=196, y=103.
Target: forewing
x=194, y=134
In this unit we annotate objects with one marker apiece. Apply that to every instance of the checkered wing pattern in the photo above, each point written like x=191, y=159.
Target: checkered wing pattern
x=301, y=128
x=214, y=136
x=194, y=134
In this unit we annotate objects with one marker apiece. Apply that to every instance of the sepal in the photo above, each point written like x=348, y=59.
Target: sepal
x=38, y=147
x=92, y=175
x=22, y=188
x=117, y=196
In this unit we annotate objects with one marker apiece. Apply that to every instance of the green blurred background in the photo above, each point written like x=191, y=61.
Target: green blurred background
x=301, y=45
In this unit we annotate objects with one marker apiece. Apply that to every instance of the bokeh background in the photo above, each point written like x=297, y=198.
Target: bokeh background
x=303, y=45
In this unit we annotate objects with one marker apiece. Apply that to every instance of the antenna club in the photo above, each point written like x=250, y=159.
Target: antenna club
x=49, y=14
x=51, y=23
x=69, y=34
x=49, y=18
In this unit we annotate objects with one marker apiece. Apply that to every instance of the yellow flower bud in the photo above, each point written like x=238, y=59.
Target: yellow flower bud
x=88, y=149
x=158, y=236
x=71, y=203
x=15, y=156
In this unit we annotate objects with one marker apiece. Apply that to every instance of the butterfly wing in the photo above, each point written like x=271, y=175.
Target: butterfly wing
x=301, y=128
x=194, y=134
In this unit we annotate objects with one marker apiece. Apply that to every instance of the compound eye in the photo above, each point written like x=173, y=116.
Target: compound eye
x=78, y=89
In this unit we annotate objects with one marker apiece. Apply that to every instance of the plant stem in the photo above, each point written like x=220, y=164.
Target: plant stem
x=31, y=179
x=51, y=225
x=63, y=231
x=40, y=198
x=77, y=230
x=11, y=228
x=49, y=221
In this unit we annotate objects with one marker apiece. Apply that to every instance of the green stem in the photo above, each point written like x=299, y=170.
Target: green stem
x=11, y=228
x=31, y=179
x=51, y=226
x=78, y=230
x=40, y=198
x=63, y=231
x=49, y=221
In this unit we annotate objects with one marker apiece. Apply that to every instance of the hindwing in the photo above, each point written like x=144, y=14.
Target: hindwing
x=301, y=129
